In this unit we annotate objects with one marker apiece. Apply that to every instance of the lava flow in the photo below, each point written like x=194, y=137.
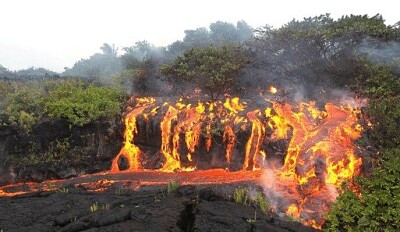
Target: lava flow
x=305, y=153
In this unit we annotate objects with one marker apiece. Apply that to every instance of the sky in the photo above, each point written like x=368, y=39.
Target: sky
x=54, y=34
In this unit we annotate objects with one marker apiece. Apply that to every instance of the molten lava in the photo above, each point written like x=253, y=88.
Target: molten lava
x=317, y=144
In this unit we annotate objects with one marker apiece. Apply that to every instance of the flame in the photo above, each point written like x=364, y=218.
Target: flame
x=234, y=105
x=273, y=90
x=293, y=211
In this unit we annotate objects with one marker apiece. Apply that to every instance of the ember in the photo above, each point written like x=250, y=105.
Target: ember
x=273, y=90
x=318, y=150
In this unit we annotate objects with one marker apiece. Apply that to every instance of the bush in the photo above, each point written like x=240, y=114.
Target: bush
x=24, y=105
x=81, y=106
x=385, y=117
x=381, y=82
x=377, y=208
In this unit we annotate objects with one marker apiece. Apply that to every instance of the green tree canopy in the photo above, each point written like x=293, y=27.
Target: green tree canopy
x=211, y=69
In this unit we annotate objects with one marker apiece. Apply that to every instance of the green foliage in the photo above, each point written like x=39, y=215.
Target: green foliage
x=241, y=196
x=380, y=84
x=352, y=28
x=375, y=80
x=262, y=202
x=62, y=89
x=385, y=117
x=312, y=28
x=81, y=106
x=377, y=208
x=172, y=186
x=211, y=69
x=24, y=105
x=123, y=80
x=5, y=90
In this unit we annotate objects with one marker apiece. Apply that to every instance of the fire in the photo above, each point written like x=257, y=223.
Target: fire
x=237, y=136
x=293, y=211
x=273, y=90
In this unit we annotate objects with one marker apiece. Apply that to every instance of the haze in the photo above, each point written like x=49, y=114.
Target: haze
x=55, y=34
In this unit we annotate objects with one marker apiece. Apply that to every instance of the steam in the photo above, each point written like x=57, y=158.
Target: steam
x=269, y=186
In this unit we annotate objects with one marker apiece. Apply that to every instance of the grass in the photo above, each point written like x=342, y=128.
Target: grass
x=241, y=196
x=62, y=190
x=262, y=202
x=172, y=186
x=96, y=207
x=252, y=220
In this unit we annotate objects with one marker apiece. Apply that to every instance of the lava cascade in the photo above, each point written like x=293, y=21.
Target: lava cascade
x=305, y=152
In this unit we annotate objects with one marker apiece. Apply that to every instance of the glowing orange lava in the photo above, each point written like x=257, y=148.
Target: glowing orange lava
x=237, y=136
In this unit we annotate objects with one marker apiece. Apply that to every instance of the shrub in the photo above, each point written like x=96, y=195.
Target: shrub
x=385, y=117
x=377, y=208
x=81, y=106
x=24, y=106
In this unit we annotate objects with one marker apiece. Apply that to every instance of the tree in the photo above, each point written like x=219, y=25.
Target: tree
x=210, y=69
x=292, y=54
x=142, y=62
x=109, y=50
x=244, y=31
x=100, y=65
x=197, y=38
x=5, y=73
x=223, y=33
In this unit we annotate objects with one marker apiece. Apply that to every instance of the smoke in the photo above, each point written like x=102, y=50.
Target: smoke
x=268, y=180
x=346, y=98
x=278, y=191
x=7, y=175
x=299, y=94
x=381, y=52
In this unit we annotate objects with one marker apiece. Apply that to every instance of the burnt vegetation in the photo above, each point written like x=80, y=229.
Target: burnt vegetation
x=317, y=58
